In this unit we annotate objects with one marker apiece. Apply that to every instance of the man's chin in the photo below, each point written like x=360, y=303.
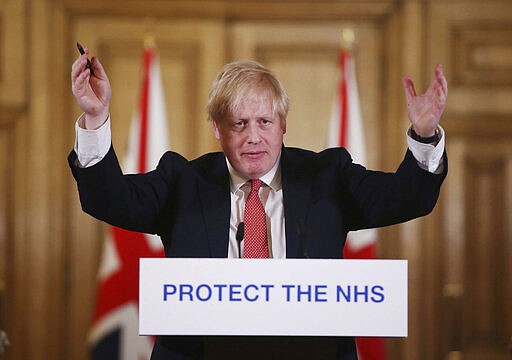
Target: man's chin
x=253, y=173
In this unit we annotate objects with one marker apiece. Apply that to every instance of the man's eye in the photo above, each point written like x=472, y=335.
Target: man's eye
x=265, y=121
x=239, y=125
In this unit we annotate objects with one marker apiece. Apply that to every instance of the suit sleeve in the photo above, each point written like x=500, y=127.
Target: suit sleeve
x=133, y=202
x=382, y=199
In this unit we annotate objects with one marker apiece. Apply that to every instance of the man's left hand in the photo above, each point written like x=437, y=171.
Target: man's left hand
x=425, y=110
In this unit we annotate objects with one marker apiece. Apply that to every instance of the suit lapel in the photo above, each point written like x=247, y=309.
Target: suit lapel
x=297, y=186
x=216, y=204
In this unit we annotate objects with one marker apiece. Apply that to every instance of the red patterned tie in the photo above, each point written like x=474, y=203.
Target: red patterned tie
x=255, y=225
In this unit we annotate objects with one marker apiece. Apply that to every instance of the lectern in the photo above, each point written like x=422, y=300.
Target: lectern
x=289, y=297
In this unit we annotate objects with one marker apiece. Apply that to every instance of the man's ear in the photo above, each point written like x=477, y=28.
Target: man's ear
x=215, y=129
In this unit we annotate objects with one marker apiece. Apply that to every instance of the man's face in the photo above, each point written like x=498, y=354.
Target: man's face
x=251, y=138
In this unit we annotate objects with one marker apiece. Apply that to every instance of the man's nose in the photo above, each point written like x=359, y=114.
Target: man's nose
x=253, y=133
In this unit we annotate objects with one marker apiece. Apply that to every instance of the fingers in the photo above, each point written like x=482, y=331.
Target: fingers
x=80, y=83
x=79, y=72
x=441, y=85
x=438, y=88
x=82, y=77
x=81, y=65
x=410, y=91
x=98, y=68
x=440, y=76
x=441, y=80
x=77, y=68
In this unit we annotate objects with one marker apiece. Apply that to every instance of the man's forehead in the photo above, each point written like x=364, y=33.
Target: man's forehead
x=255, y=101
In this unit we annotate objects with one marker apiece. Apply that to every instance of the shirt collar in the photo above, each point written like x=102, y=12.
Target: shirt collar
x=271, y=178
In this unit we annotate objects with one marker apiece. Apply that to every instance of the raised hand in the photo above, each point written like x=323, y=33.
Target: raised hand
x=91, y=92
x=425, y=110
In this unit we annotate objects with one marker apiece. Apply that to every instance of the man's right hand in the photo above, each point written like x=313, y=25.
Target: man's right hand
x=91, y=92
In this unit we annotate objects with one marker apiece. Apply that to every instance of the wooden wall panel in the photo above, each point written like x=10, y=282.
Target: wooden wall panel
x=8, y=119
x=487, y=281
x=13, y=99
x=237, y=9
x=482, y=51
x=477, y=271
x=474, y=298
x=473, y=42
x=13, y=53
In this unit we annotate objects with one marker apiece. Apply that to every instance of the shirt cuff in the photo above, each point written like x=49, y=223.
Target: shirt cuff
x=428, y=156
x=91, y=146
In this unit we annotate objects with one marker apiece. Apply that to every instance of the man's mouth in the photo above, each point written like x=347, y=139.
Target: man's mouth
x=252, y=154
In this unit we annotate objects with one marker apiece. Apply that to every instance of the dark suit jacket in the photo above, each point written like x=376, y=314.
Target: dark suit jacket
x=187, y=203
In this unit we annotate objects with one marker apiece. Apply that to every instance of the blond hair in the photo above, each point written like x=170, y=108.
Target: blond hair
x=239, y=79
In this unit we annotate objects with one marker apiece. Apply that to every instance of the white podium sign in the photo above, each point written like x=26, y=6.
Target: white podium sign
x=296, y=297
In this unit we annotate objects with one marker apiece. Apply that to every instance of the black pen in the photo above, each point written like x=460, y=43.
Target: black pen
x=82, y=51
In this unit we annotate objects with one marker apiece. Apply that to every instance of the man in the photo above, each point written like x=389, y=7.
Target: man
x=310, y=200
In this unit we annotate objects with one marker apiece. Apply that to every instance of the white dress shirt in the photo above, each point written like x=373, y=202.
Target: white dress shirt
x=92, y=145
x=271, y=196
